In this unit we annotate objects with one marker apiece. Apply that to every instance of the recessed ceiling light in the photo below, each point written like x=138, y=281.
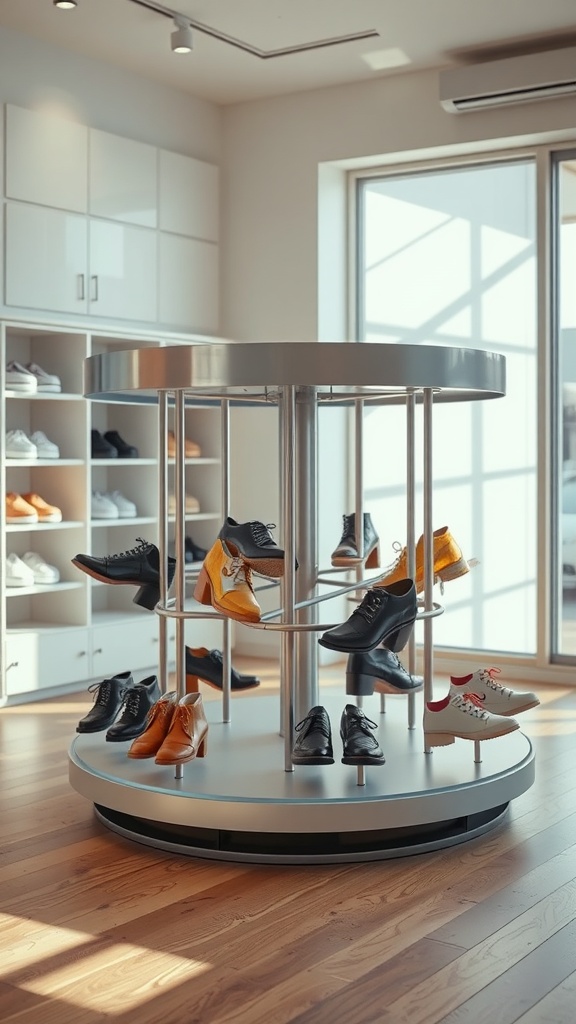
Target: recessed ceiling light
x=65, y=5
x=391, y=58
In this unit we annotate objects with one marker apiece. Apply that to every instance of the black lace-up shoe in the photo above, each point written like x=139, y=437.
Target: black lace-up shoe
x=208, y=666
x=385, y=615
x=346, y=554
x=379, y=671
x=138, y=700
x=109, y=697
x=255, y=544
x=125, y=450
x=100, y=447
x=314, y=744
x=138, y=567
x=359, y=745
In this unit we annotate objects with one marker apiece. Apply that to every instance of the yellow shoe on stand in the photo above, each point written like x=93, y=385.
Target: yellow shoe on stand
x=225, y=582
x=449, y=562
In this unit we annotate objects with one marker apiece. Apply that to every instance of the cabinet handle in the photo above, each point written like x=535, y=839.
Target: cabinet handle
x=82, y=654
x=81, y=290
x=13, y=664
x=94, y=280
x=98, y=650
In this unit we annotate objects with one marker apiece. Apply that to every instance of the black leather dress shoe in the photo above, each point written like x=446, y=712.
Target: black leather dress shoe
x=138, y=567
x=314, y=744
x=125, y=450
x=209, y=667
x=379, y=671
x=138, y=700
x=109, y=697
x=100, y=447
x=346, y=554
x=359, y=745
x=385, y=615
x=254, y=542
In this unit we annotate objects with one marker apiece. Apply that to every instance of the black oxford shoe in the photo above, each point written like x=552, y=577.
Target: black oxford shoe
x=379, y=671
x=138, y=700
x=360, y=746
x=385, y=615
x=314, y=744
x=138, y=567
x=256, y=545
x=109, y=697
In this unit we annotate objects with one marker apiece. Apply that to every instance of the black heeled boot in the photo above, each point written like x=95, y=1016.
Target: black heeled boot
x=209, y=667
x=379, y=671
x=138, y=567
x=109, y=697
x=385, y=615
x=346, y=554
x=138, y=701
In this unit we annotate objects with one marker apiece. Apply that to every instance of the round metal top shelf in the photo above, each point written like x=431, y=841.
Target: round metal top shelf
x=338, y=371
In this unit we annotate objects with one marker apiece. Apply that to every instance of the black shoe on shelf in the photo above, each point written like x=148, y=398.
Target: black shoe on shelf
x=109, y=697
x=138, y=701
x=192, y=552
x=314, y=743
x=379, y=671
x=208, y=666
x=359, y=745
x=346, y=554
x=124, y=450
x=101, y=448
x=385, y=615
x=255, y=544
x=138, y=567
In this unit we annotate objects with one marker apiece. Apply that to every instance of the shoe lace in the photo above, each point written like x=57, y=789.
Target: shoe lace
x=363, y=722
x=315, y=721
x=348, y=529
x=139, y=549
x=370, y=604
x=261, y=533
x=471, y=703
x=131, y=703
x=101, y=692
x=487, y=677
x=239, y=570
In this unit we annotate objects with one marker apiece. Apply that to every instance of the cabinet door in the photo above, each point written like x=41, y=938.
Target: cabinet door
x=189, y=284
x=188, y=196
x=46, y=159
x=123, y=268
x=41, y=661
x=45, y=258
x=123, y=179
x=127, y=648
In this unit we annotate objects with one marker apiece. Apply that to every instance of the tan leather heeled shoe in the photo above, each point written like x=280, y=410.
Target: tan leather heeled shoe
x=159, y=719
x=449, y=562
x=187, y=737
x=225, y=582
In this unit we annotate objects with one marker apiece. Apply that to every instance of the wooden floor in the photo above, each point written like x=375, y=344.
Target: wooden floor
x=95, y=928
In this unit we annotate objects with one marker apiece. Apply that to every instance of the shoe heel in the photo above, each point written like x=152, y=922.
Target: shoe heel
x=203, y=748
x=192, y=683
x=453, y=571
x=373, y=560
x=438, y=739
x=203, y=589
x=359, y=684
x=397, y=641
x=148, y=596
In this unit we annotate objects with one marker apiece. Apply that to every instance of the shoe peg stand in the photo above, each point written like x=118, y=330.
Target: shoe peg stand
x=245, y=801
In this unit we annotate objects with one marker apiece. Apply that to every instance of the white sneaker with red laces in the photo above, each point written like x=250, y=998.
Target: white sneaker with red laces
x=462, y=716
x=494, y=697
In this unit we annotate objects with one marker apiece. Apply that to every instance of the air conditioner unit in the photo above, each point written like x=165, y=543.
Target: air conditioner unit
x=535, y=76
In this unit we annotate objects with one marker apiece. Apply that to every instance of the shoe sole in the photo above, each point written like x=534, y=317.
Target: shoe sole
x=444, y=739
x=22, y=519
x=15, y=386
x=53, y=517
x=20, y=583
x=272, y=567
x=312, y=760
x=105, y=579
x=363, y=760
x=371, y=559
x=49, y=389
x=383, y=686
x=21, y=455
x=104, y=515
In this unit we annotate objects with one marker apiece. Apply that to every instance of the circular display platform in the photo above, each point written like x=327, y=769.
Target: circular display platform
x=238, y=803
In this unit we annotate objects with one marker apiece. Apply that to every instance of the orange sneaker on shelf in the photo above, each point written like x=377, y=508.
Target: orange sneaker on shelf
x=191, y=449
x=46, y=513
x=449, y=562
x=18, y=510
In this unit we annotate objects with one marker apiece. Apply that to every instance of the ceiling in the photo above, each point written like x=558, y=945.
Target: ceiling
x=431, y=33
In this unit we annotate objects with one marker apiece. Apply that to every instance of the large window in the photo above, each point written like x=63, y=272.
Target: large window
x=448, y=257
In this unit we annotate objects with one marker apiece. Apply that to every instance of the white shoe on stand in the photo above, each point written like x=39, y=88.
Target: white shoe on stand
x=460, y=716
x=495, y=698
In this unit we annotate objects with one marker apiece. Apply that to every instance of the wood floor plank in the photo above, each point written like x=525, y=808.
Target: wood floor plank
x=557, y=1007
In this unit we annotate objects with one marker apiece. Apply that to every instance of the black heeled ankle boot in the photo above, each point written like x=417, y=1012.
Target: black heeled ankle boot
x=109, y=697
x=346, y=554
x=385, y=615
x=138, y=567
x=208, y=666
x=379, y=671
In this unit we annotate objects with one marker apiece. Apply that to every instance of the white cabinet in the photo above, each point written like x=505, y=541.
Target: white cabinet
x=45, y=258
x=188, y=283
x=131, y=647
x=123, y=179
x=46, y=160
x=123, y=271
x=189, y=198
x=46, y=659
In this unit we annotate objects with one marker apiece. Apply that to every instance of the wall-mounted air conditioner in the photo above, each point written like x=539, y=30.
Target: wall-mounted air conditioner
x=535, y=76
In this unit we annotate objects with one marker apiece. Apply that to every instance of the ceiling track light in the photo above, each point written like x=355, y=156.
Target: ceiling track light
x=65, y=5
x=181, y=38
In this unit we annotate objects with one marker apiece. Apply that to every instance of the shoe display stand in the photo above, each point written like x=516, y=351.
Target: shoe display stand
x=246, y=800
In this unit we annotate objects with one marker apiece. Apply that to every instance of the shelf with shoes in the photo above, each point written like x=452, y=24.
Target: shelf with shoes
x=240, y=802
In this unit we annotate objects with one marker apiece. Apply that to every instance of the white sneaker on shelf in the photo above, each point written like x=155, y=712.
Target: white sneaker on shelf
x=494, y=697
x=18, y=378
x=42, y=572
x=17, y=573
x=45, y=382
x=46, y=449
x=462, y=716
x=102, y=507
x=126, y=508
x=18, y=446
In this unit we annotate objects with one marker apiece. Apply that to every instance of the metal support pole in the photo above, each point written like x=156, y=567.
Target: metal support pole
x=410, y=531
x=162, y=537
x=306, y=530
x=428, y=548
x=477, y=754
x=179, y=492
x=226, y=625
x=288, y=664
